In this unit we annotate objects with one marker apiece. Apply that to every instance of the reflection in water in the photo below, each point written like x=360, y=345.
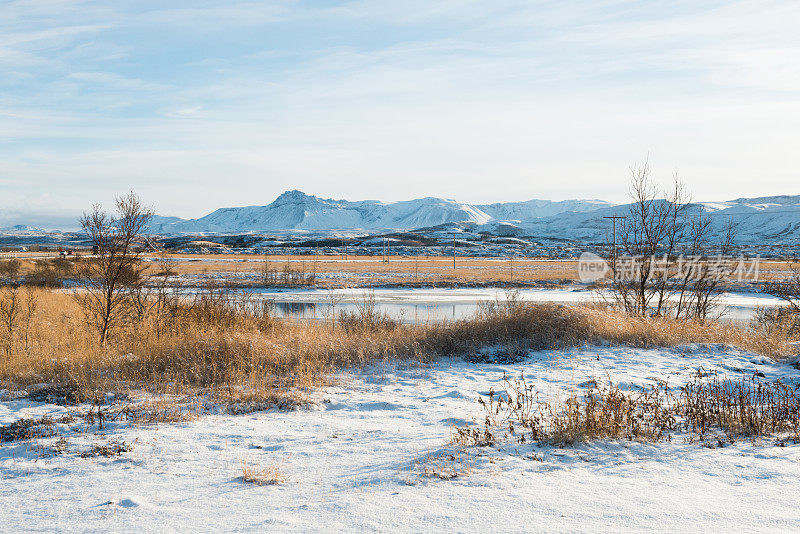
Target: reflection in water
x=415, y=313
x=293, y=309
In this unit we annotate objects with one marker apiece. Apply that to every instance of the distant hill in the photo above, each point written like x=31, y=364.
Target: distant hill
x=295, y=210
x=760, y=220
x=22, y=228
x=757, y=220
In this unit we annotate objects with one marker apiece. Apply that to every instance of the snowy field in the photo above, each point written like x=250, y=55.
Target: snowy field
x=367, y=452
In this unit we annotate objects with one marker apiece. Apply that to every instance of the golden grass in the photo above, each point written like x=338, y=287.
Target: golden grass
x=333, y=271
x=243, y=357
x=262, y=476
x=422, y=270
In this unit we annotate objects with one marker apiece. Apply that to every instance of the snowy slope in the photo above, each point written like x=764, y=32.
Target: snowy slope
x=765, y=219
x=294, y=210
x=22, y=228
x=356, y=461
x=534, y=209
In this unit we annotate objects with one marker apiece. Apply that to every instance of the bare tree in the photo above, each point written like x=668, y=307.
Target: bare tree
x=29, y=312
x=10, y=310
x=707, y=269
x=649, y=236
x=670, y=266
x=154, y=299
x=116, y=266
x=17, y=305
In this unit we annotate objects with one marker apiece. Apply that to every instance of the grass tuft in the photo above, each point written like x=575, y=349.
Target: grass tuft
x=272, y=475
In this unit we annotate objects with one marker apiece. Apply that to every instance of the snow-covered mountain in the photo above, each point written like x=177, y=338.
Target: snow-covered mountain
x=764, y=219
x=757, y=220
x=22, y=228
x=534, y=209
x=295, y=210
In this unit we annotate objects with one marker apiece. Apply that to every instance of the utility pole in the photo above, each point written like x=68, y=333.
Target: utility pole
x=614, y=241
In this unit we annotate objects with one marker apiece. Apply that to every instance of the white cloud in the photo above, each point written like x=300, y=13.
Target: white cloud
x=476, y=100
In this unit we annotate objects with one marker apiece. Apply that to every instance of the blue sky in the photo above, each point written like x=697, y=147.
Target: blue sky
x=203, y=104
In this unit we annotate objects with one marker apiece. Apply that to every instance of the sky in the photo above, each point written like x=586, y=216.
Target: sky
x=201, y=104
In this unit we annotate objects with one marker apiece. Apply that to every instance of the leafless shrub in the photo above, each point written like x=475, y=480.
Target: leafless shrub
x=24, y=429
x=788, y=290
x=287, y=276
x=9, y=270
x=155, y=411
x=470, y=436
x=61, y=394
x=446, y=465
x=17, y=309
x=107, y=450
x=10, y=311
x=50, y=273
x=367, y=317
x=604, y=412
x=154, y=299
x=746, y=407
x=780, y=321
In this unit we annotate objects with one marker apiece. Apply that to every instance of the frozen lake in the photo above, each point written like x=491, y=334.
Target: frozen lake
x=430, y=304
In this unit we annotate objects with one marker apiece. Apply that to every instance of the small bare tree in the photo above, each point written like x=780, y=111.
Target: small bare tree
x=699, y=278
x=155, y=299
x=10, y=311
x=669, y=267
x=649, y=237
x=116, y=267
x=28, y=313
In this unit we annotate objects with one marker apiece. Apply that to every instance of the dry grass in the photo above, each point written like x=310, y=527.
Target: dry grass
x=333, y=271
x=272, y=475
x=447, y=465
x=235, y=351
x=708, y=409
x=427, y=270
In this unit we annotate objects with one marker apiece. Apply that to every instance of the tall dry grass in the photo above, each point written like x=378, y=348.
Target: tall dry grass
x=234, y=349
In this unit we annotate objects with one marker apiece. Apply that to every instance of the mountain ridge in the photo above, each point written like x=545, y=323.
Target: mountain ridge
x=296, y=210
x=769, y=218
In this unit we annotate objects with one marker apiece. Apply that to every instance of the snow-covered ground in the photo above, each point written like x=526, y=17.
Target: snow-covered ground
x=364, y=454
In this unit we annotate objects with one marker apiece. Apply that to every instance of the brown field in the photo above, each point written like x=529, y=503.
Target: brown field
x=425, y=270
x=398, y=270
x=336, y=271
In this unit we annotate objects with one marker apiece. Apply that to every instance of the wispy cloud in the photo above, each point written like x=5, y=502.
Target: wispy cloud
x=232, y=102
